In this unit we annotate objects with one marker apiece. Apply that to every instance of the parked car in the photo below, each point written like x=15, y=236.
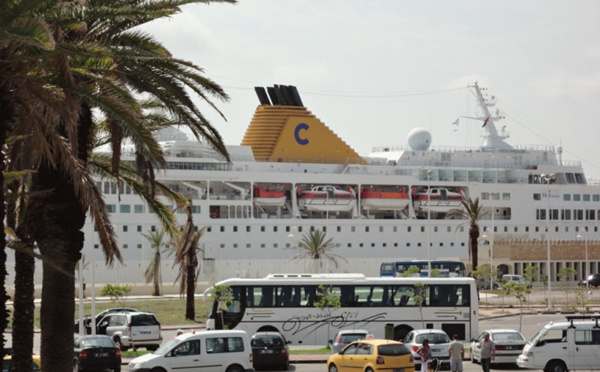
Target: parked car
x=87, y=321
x=346, y=336
x=96, y=352
x=270, y=349
x=36, y=364
x=592, y=281
x=372, y=355
x=439, y=342
x=132, y=330
x=206, y=351
x=485, y=283
x=512, y=278
x=564, y=346
x=509, y=344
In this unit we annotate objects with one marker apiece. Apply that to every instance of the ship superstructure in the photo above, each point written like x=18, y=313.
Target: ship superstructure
x=293, y=174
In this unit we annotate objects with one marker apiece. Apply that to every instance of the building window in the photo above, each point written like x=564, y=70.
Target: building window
x=124, y=208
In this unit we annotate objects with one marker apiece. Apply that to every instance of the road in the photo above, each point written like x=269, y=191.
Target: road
x=530, y=325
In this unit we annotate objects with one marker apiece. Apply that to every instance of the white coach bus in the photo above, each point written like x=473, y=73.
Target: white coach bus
x=285, y=303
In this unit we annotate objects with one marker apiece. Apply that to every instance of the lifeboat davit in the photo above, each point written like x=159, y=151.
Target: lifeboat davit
x=263, y=196
x=374, y=200
x=439, y=199
x=327, y=198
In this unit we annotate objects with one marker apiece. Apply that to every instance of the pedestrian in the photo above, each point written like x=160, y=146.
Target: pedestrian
x=425, y=353
x=488, y=352
x=457, y=354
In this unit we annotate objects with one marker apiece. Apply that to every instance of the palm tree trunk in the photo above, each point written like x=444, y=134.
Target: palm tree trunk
x=5, y=116
x=23, y=311
x=190, y=309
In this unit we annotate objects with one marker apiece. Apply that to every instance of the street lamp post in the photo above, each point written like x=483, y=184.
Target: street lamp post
x=587, y=266
x=548, y=178
x=429, y=173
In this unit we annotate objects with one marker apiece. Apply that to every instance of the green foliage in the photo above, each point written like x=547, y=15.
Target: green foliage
x=117, y=293
x=315, y=245
x=222, y=294
x=411, y=271
x=327, y=299
x=520, y=291
x=418, y=297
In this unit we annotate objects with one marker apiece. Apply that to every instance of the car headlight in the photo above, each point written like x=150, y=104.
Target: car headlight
x=133, y=366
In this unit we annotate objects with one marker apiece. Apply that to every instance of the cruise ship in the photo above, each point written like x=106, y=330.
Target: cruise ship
x=292, y=174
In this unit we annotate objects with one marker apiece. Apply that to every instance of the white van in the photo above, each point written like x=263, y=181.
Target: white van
x=564, y=346
x=208, y=351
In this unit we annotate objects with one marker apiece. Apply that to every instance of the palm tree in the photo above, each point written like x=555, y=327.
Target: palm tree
x=472, y=212
x=152, y=273
x=186, y=256
x=315, y=246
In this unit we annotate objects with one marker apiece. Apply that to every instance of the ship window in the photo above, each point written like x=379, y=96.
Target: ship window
x=139, y=246
x=248, y=245
x=537, y=229
x=495, y=196
x=366, y=228
x=262, y=229
x=299, y=228
x=339, y=229
x=235, y=245
x=422, y=228
x=287, y=229
x=99, y=185
x=591, y=214
x=395, y=228
x=262, y=245
x=124, y=208
x=312, y=228
x=106, y=187
x=586, y=197
x=505, y=196
x=565, y=214
x=138, y=208
x=449, y=229
x=567, y=197
x=526, y=228
x=353, y=228
x=485, y=196
x=380, y=228
x=495, y=229
x=516, y=229
x=222, y=245
x=125, y=246
x=324, y=228
x=452, y=244
x=361, y=245
x=385, y=244
x=349, y=245
x=554, y=214
x=418, y=244
x=505, y=228
x=578, y=214
x=441, y=244
x=435, y=229
x=275, y=245
x=222, y=228
x=408, y=244
x=209, y=229
x=537, y=196
x=462, y=244
x=139, y=228
x=595, y=197
x=556, y=228
x=576, y=197
x=408, y=228
x=395, y=245
x=111, y=208
x=96, y=246
x=248, y=229
x=196, y=209
x=462, y=229
x=566, y=228
x=372, y=245
x=235, y=228
x=274, y=228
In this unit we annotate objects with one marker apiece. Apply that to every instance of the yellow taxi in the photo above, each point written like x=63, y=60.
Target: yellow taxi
x=36, y=364
x=372, y=356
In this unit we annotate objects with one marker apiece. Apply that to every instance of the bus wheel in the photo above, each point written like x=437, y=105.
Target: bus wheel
x=401, y=331
x=267, y=329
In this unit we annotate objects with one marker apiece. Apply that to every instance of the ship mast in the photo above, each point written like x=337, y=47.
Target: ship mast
x=491, y=139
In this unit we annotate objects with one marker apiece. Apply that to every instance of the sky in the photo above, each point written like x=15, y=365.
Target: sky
x=374, y=70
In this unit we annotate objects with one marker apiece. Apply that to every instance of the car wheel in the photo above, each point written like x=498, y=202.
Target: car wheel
x=152, y=348
x=157, y=369
x=332, y=368
x=117, y=369
x=368, y=370
x=235, y=368
x=286, y=366
x=555, y=366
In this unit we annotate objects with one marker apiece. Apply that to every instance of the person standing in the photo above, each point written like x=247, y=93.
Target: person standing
x=488, y=352
x=425, y=353
x=457, y=354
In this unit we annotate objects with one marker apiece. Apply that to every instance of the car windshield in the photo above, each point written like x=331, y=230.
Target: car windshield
x=434, y=338
x=348, y=338
x=266, y=340
x=508, y=336
x=165, y=348
x=97, y=342
x=392, y=350
x=143, y=320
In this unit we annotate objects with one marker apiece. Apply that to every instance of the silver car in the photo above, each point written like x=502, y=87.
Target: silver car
x=345, y=337
x=129, y=330
x=439, y=342
x=509, y=345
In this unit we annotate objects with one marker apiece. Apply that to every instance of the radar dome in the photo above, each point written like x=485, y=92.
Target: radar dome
x=419, y=139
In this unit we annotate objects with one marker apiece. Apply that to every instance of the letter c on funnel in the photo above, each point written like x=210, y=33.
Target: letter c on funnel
x=300, y=140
